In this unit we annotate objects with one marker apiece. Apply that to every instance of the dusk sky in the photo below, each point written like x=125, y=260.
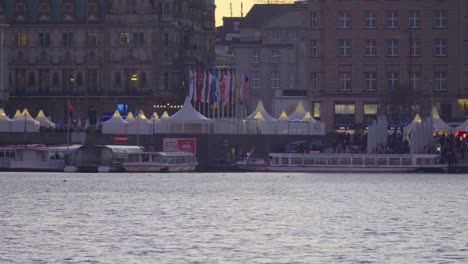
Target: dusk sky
x=222, y=9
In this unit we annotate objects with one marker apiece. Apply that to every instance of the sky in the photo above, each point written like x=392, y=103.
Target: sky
x=222, y=9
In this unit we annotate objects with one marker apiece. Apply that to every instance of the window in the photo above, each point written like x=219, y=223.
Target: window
x=235, y=26
x=20, y=9
x=314, y=81
x=55, y=80
x=370, y=49
x=314, y=48
x=44, y=9
x=21, y=39
x=92, y=9
x=316, y=110
x=371, y=81
x=138, y=39
x=415, y=49
x=166, y=39
x=344, y=82
x=415, y=81
x=393, y=80
x=68, y=80
x=131, y=6
x=344, y=19
x=124, y=39
x=44, y=40
x=255, y=80
x=67, y=39
x=256, y=56
x=275, y=56
x=166, y=81
x=414, y=18
x=117, y=80
x=344, y=48
x=440, y=19
x=371, y=109
x=440, y=81
x=32, y=80
x=275, y=80
x=92, y=80
x=79, y=79
x=345, y=109
x=275, y=35
x=393, y=49
x=21, y=79
x=92, y=40
x=68, y=8
x=143, y=81
x=314, y=20
x=44, y=80
x=440, y=47
x=370, y=20
x=392, y=19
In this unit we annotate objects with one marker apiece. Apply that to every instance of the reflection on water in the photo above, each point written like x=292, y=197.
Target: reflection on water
x=235, y=218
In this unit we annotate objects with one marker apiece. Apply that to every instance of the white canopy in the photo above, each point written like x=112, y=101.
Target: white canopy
x=260, y=114
x=5, y=121
x=407, y=129
x=44, y=121
x=438, y=123
x=165, y=115
x=139, y=125
x=23, y=122
x=188, y=114
x=283, y=116
x=115, y=125
x=463, y=126
x=299, y=114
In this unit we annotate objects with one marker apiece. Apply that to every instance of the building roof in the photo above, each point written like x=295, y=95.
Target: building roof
x=261, y=13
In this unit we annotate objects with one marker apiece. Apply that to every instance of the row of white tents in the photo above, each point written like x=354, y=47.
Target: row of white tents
x=189, y=120
x=23, y=122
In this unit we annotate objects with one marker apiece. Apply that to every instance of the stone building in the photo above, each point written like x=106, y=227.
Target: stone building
x=272, y=53
x=102, y=53
x=361, y=51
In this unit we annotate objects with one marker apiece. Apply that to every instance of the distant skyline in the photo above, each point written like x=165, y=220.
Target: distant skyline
x=223, y=9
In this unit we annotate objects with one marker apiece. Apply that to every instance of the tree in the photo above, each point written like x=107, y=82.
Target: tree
x=402, y=104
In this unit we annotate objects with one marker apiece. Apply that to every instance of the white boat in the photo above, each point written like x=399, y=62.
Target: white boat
x=34, y=157
x=100, y=158
x=160, y=162
x=317, y=162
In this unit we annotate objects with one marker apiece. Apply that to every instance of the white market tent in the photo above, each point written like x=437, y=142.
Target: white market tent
x=24, y=122
x=115, y=125
x=155, y=121
x=282, y=126
x=299, y=114
x=439, y=124
x=463, y=126
x=139, y=125
x=187, y=120
x=407, y=129
x=5, y=122
x=260, y=122
x=314, y=127
x=283, y=116
x=44, y=121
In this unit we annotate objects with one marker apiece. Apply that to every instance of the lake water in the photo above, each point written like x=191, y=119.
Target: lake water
x=233, y=218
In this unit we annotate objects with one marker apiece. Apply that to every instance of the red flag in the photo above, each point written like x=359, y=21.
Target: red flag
x=223, y=87
x=200, y=86
x=70, y=107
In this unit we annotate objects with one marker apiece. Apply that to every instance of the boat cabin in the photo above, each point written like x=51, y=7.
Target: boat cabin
x=93, y=157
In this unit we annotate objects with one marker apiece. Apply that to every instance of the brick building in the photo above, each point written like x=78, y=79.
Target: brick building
x=362, y=50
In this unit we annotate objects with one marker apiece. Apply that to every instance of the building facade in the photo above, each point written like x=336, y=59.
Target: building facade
x=101, y=53
x=272, y=53
x=361, y=51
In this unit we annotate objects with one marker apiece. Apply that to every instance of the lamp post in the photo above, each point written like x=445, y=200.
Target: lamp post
x=138, y=127
x=72, y=81
x=24, y=135
x=134, y=80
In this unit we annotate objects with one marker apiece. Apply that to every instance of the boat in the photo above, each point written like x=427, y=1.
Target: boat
x=160, y=162
x=34, y=157
x=100, y=158
x=319, y=162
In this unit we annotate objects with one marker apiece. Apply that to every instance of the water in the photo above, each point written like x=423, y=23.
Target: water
x=233, y=218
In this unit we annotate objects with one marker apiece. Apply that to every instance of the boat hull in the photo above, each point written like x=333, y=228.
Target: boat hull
x=324, y=169
x=159, y=168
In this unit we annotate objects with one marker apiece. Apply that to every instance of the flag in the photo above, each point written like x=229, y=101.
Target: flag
x=70, y=107
x=246, y=85
x=214, y=91
x=233, y=86
x=203, y=91
x=191, y=83
x=228, y=86
x=238, y=78
x=209, y=88
x=200, y=86
x=223, y=88
x=217, y=88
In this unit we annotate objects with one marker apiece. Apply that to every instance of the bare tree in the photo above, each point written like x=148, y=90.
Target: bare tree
x=402, y=104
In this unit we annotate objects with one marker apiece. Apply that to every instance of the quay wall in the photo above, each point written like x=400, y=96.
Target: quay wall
x=220, y=149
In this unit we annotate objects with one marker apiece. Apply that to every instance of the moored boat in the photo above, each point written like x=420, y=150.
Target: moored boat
x=34, y=157
x=160, y=162
x=319, y=162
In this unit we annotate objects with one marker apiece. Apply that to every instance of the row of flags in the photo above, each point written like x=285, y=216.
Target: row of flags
x=218, y=88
